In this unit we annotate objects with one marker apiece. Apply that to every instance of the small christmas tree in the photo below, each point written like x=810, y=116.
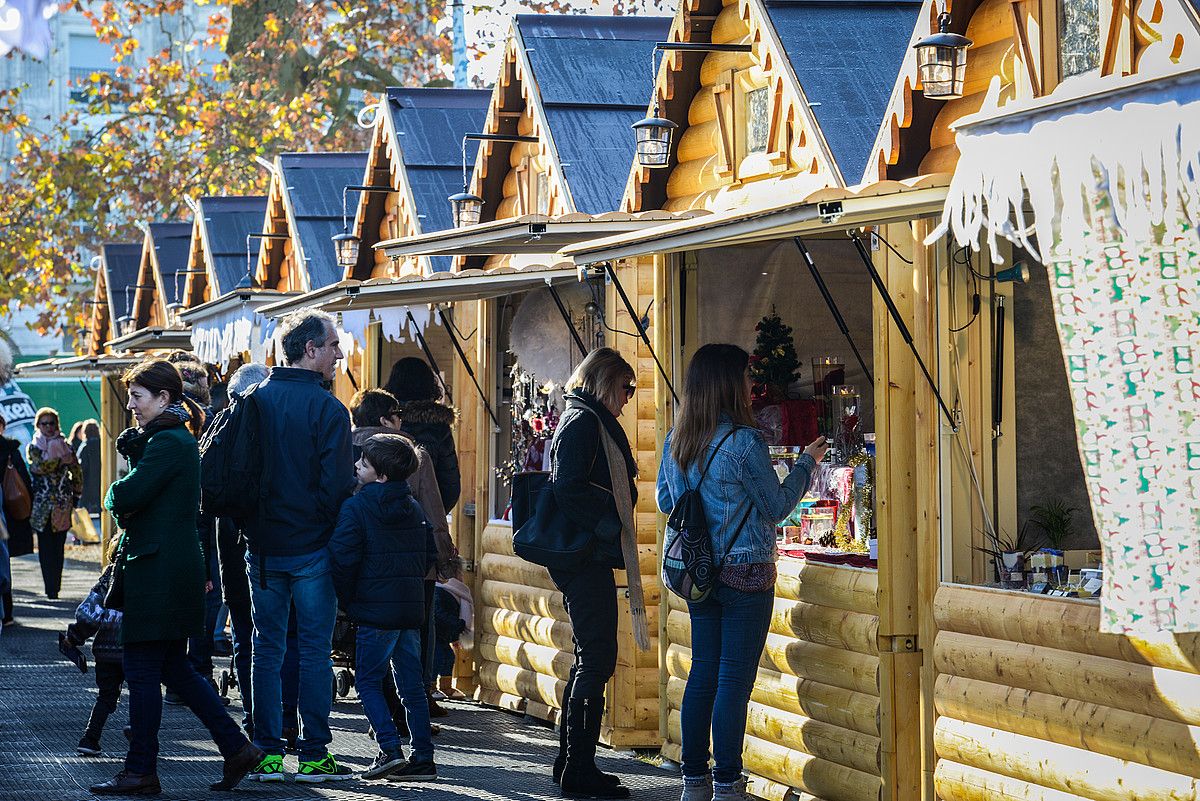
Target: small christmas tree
x=773, y=365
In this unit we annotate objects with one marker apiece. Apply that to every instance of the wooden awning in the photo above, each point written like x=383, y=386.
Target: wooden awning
x=154, y=338
x=528, y=234
x=438, y=288
x=238, y=298
x=78, y=366
x=823, y=211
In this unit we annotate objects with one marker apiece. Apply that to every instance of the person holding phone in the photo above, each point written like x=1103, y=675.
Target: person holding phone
x=743, y=501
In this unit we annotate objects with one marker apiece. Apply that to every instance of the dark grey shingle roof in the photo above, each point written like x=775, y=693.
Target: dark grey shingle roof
x=121, y=263
x=172, y=245
x=431, y=123
x=846, y=56
x=227, y=221
x=595, y=79
x=314, y=183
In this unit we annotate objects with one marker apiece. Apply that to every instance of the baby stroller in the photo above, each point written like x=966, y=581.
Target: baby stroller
x=344, y=632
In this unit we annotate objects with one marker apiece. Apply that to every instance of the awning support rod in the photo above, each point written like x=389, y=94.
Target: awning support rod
x=637, y=321
x=899, y=321
x=99, y=415
x=429, y=355
x=467, y=366
x=567, y=319
x=831, y=303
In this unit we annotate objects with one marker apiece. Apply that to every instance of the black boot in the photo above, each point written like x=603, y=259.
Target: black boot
x=560, y=760
x=580, y=776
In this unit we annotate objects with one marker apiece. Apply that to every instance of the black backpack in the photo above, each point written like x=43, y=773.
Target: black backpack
x=688, y=568
x=231, y=460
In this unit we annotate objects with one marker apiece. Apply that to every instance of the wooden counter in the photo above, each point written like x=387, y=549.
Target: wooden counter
x=813, y=723
x=524, y=648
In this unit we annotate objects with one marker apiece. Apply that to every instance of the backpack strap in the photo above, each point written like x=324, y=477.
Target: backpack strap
x=711, y=458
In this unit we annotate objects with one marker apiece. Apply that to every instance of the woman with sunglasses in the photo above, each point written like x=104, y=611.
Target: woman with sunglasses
x=583, y=489
x=57, y=484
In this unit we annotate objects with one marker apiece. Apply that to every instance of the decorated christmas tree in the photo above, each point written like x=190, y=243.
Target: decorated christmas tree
x=773, y=365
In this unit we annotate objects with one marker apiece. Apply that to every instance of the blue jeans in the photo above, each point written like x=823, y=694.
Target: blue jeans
x=374, y=650
x=729, y=630
x=148, y=665
x=305, y=583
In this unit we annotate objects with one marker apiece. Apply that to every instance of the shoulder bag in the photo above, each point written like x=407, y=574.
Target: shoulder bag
x=18, y=504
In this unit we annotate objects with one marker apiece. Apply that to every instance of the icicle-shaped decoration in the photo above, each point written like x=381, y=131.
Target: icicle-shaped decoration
x=219, y=338
x=1114, y=185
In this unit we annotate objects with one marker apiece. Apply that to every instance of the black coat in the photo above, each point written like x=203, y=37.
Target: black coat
x=380, y=551
x=89, y=460
x=431, y=424
x=308, y=471
x=20, y=532
x=580, y=476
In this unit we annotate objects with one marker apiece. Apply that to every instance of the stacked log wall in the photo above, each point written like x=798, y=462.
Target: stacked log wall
x=1034, y=702
x=813, y=722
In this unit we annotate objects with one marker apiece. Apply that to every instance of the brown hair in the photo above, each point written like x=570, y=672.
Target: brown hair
x=368, y=405
x=715, y=384
x=157, y=375
x=604, y=374
x=390, y=455
x=46, y=411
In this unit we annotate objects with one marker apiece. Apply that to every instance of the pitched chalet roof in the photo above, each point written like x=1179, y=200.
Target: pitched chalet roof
x=594, y=77
x=172, y=243
x=846, y=54
x=121, y=263
x=313, y=183
x=429, y=125
x=227, y=221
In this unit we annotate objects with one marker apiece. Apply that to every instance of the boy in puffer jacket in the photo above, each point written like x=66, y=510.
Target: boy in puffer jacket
x=92, y=619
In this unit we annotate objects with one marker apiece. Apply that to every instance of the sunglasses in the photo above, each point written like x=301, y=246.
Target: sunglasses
x=630, y=391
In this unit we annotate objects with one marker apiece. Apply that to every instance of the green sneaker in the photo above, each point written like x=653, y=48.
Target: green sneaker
x=325, y=769
x=269, y=770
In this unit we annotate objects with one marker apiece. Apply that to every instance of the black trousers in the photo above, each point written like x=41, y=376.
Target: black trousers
x=109, y=678
x=590, y=595
x=51, y=545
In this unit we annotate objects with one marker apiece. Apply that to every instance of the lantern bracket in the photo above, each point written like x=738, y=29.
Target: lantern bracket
x=830, y=212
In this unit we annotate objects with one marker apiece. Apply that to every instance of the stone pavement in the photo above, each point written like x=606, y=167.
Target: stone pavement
x=482, y=753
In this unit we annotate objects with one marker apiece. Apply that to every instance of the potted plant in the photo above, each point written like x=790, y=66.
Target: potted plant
x=1054, y=519
x=1009, y=554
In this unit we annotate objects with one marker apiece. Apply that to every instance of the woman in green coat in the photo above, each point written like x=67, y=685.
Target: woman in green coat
x=155, y=506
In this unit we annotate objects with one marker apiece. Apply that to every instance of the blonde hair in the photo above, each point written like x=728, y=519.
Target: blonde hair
x=46, y=411
x=604, y=374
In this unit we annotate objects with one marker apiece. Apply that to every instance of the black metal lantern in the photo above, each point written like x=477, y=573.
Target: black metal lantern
x=654, y=140
x=468, y=208
x=942, y=61
x=345, y=246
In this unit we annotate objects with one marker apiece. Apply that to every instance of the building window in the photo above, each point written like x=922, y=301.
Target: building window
x=1079, y=36
x=87, y=55
x=758, y=123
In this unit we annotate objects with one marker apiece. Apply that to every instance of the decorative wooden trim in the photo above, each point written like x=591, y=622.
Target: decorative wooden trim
x=1032, y=68
x=723, y=94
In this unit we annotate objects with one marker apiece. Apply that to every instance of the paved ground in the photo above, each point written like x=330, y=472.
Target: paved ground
x=44, y=704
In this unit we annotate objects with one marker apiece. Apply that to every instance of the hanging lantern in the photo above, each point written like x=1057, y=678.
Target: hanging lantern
x=345, y=245
x=654, y=140
x=173, y=312
x=468, y=208
x=124, y=325
x=942, y=61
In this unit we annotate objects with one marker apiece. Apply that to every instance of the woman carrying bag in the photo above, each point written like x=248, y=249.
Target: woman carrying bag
x=57, y=482
x=159, y=581
x=715, y=437
x=582, y=531
x=18, y=505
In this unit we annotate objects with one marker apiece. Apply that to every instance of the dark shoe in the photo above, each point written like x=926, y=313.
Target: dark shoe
x=173, y=698
x=423, y=771
x=290, y=736
x=128, y=732
x=435, y=729
x=8, y=621
x=586, y=783
x=237, y=766
x=436, y=711
x=560, y=762
x=385, y=763
x=89, y=746
x=580, y=778
x=125, y=783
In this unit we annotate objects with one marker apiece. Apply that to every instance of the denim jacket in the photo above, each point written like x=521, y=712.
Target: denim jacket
x=741, y=477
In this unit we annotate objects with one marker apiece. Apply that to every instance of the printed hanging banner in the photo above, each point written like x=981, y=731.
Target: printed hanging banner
x=1114, y=184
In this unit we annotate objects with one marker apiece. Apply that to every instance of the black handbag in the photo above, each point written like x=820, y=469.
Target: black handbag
x=544, y=535
x=115, y=597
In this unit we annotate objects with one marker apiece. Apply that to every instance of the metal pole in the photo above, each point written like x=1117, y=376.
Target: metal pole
x=829, y=301
x=998, y=370
x=467, y=366
x=429, y=355
x=899, y=321
x=567, y=319
x=637, y=322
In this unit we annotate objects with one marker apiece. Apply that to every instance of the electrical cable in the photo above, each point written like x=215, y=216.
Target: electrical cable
x=975, y=299
x=899, y=255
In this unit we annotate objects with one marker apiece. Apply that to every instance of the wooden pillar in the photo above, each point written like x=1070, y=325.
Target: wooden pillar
x=466, y=526
x=372, y=351
x=900, y=654
x=665, y=328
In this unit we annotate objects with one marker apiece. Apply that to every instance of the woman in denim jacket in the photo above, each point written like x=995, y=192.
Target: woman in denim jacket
x=743, y=501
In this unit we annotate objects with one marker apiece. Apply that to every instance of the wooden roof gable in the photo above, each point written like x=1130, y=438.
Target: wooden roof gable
x=161, y=272
x=99, y=325
x=819, y=66
x=217, y=258
x=1014, y=56
x=118, y=275
x=415, y=150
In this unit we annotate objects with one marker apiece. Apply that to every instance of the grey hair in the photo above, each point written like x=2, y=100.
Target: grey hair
x=297, y=329
x=246, y=376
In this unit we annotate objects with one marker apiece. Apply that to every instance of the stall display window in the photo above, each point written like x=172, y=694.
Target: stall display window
x=1079, y=39
x=806, y=380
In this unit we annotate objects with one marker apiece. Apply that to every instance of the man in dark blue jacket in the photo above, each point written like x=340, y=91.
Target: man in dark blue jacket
x=305, y=436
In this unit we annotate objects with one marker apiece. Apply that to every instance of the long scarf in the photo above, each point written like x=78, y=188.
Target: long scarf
x=629, y=546
x=54, y=447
